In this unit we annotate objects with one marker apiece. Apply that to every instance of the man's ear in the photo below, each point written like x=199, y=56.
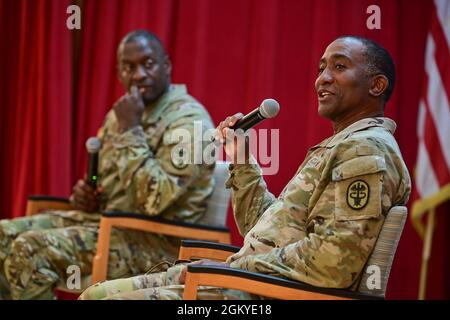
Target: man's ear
x=168, y=65
x=125, y=84
x=379, y=84
x=119, y=76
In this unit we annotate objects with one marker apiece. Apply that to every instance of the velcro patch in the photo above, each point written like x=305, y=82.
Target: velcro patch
x=358, y=193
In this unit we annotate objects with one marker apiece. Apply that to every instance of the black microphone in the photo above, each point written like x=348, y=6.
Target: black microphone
x=93, y=145
x=269, y=108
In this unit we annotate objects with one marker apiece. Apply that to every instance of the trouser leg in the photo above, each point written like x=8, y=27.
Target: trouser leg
x=38, y=260
x=11, y=229
x=156, y=286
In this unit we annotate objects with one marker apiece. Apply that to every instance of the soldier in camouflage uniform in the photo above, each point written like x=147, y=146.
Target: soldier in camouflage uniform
x=137, y=173
x=323, y=226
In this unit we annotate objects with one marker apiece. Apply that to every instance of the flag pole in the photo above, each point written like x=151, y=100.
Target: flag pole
x=426, y=253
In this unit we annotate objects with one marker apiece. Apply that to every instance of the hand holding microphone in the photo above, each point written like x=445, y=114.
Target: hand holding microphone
x=269, y=108
x=85, y=192
x=93, y=146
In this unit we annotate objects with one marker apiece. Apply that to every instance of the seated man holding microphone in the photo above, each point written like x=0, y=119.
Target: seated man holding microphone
x=319, y=230
x=137, y=173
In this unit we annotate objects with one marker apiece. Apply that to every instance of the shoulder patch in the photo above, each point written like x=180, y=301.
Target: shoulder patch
x=358, y=193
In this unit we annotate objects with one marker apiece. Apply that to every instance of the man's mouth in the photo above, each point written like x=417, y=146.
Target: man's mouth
x=143, y=89
x=324, y=94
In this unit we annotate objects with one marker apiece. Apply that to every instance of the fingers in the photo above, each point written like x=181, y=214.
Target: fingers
x=84, y=197
x=129, y=109
x=223, y=129
x=182, y=278
x=134, y=91
x=85, y=190
x=207, y=262
x=119, y=101
x=235, y=118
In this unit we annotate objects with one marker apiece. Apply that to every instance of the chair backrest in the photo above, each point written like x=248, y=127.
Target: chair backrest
x=217, y=206
x=376, y=272
x=40, y=203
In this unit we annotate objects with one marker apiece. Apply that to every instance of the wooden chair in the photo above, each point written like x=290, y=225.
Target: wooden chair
x=40, y=203
x=211, y=227
x=379, y=263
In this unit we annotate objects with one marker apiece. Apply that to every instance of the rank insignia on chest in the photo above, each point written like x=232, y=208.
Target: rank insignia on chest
x=358, y=194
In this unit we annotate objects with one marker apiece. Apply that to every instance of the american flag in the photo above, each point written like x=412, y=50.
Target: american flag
x=432, y=172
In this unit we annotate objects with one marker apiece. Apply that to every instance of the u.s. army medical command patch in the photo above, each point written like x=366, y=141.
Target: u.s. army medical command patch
x=358, y=194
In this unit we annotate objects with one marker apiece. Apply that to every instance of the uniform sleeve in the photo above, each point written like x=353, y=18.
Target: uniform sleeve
x=151, y=181
x=335, y=250
x=250, y=196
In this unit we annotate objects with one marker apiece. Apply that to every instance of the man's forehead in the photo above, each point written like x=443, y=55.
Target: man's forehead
x=348, y=48
x=138, y=47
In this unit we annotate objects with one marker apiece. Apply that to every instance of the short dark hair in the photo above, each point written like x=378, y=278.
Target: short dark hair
x=141, y=33
x=379, y=62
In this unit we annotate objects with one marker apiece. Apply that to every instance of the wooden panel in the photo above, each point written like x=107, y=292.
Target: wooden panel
x=193, y=280
x=187, y=253
x=100, y=264
x=171, y=230
x=35, y=207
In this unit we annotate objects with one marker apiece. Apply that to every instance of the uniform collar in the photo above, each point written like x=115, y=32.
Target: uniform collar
x=360, y=125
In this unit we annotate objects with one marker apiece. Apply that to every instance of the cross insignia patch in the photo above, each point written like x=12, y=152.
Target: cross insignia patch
x=358, y=194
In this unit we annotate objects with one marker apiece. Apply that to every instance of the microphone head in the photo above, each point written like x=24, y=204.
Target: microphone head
x=269, y=108
x=93, y=145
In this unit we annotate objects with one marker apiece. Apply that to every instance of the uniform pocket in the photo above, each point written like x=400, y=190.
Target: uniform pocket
x=358, y=187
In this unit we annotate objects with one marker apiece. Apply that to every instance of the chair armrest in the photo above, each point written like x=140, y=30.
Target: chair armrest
x=39, y=203
x=261, y=284
x=156, y=219
x=142, y=222
x=43, y=197
x=210, y=245
x=205, y=250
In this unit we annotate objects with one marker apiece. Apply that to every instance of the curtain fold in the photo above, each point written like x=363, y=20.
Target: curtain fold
x=36, y=102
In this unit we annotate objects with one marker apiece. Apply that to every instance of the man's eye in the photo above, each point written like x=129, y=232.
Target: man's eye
x=126, y=67
x=149, y=64
x=320, y=70
x=340, y=66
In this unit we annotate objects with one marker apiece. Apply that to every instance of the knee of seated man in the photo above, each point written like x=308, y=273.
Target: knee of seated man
x=105, y=289
x=94, y=292
x=29, y=244
x=28, y=241
x=23, y=252
x=8, y=231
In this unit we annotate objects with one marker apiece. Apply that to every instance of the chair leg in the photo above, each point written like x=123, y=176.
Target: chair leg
x=184, y=254
x=190, y=287
x=100, y=263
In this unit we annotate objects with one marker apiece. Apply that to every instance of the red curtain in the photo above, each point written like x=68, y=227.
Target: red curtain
x=36, y=108
x=232, y=54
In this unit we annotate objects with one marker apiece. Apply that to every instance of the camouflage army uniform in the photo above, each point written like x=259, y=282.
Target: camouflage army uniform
x=320, y=230
x=139, y=175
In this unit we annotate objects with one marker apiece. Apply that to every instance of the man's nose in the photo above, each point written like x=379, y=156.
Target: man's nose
x=325, y=77
x=139, y=73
